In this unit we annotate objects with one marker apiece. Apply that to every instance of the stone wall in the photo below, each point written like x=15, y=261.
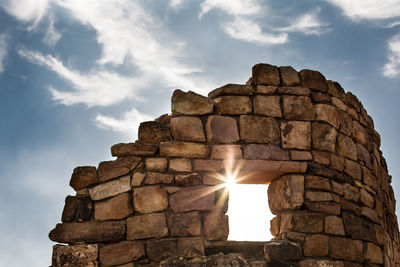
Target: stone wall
x=163, y=200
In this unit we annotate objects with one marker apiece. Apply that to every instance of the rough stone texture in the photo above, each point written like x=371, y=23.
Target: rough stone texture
x=232, y=89
x=75, y=256
x=189, y=179
x=316, y=246
x=149, y=199
x=184, y=149
x=153, y=132
x=358, y=228
x=156, y=164
x=373, y=254
x=346, y=249
x=133, y=149
x=313, y=80
x=83, y=177
x=190, y=103
x=108, y=170
x=185, y=224
x=300, y=155
x=353, y=169
x=121, y=253
x=334, y=225
x=320, y=263
x=298, y=108
x=328, y=113
x=289, y=76
x=137, y=179
x=260, y=151
x=159, y=250
x=296, y=134
x=77, y=208
x=265, y=74
x=267, y=105
x=323, y=137
x=226, y=152
x=233, y=105
x=180, y=165
x=294, y=90
x=346, y=147
x=221, y=129
x=158, y=178
x=281, y=251
x=187, y=129
x=114, y=208
x=266, y=89
x=286, y=193
x=111, y=188
x=259, y=129
x=216, y=226
x=195, y=198
x=317, y=182
x=146, y=226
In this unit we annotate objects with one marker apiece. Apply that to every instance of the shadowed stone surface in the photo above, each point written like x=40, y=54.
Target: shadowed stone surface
x=190, y=103
x=149, y=199
x=231, y=89
x=196, y=198
x=121, y=253
x=187, y=129
x=146, y=226
x=221, y=129
x=83, y=177
x=265, y=74
x=286, y=193
x=259, y=130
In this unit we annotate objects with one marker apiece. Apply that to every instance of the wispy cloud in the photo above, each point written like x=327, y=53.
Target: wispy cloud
x=128, y=123
x=392, y=68
x=26, y=10
x=308, y=23
x=3, y=50
x=52, y=36
x=232, y=7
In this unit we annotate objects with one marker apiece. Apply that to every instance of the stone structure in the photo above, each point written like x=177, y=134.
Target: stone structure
x=161, y=202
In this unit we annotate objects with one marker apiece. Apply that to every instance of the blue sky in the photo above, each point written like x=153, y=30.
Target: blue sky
x=79, y=76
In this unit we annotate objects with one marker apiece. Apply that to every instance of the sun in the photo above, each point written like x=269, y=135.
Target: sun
x=230, y=181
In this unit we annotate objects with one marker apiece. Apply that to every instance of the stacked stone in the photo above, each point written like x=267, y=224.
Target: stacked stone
x=313, y=143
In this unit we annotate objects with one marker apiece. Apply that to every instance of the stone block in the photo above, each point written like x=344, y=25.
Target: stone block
x=216, y=226
x=108, y=170
x=221, y=129
x=180, y=165
x=190, y=247
x=366, y=198
x=300, y=155
x=158, y=250
x=353, y=101
x=346, y=249
x=317, y=182
x=337, y=188
x=156, y=164
x=351, y=206
x=324, y=207
x=328, y=113
x=339, y=104
x=294, y=90
x=259, y=129
x=282, y=251
x=199, y=198
x=208, y=165
x=320, y=263
x=146, y=226
x=114, y=208
x=321, y=157
x=184, y=150
x=267, y=105
x=150, y=199
x=303, y=222
x=373, y=253
x=190, y=103
x=74, y=255
x=335, y=89
x=226, y=152
x=191, y=179
x=83, y=177
x=337, y=162
x=158, y=178
x=298, y=108
x=289, y=76
x=364, y=156
x=232, y=89
x=77, y=208
x=359, y=133
x=296, y=134
x=187, y=129
x=318, y=97
x=334, y=225
x=286, y=193
x=120, y=253
x=358, y=228
x=137, y=179
x=316, y=246
x=88, y=232
x=265, y=74
x=111, y=188
x=233, y=105
x=346, y=147
x=266, y=89
x=133, y=149
x=261, y=151
x=184, y=224
x=351, y=193
x=313, y=80
x=153, y=132
x=318, y=196
x=346, y=124
x=353, y=169
x=323, y=137
x=370, y=214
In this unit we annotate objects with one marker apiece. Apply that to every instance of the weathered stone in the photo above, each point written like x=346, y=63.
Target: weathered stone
x=373, y=254
x=282, y=251
x=75, y=255
x=77, y=208
x=286, y=193
x=359, y=133
x=108, y=170
x=266, y=89
x=358, y=228
x=184, y=149
x=191, y=179
x=339, y=104
x=133, y=149
x=158, y=178
x=265, y=74
x=294, y=90
x=146, y=226
x=319, y=183
x=346, y=249
x=353, y=101
x=337, y=162
x=328, y=113
x=370, y=214
x=318, y=97
x=226, y=152
x=233, y=105
x=351, y=193
x=190, y=103
x=353, y=169
x=313, y=80
x=364, y=156
x=87, y=232
x=267, y=105
x=156, y=164
x=337, y=188
x=137, y=179
x=153, y=132
x=316, y=246
x=366, y=198
x=325, y=207
x=321, y=157
x=346, y=147
x=150, y=199
x=83, y=177
x=190, y=247
x=180, y=165
x=164, y=119
x=320, y=263
x=303, y=222
x=346, y=124
x=348, y=205
x=216, y=226
x=115, y=208
x=300, y=155
x=298, y=108
x=289, y=76
x=172, y=189
x=232, y=89
x=296, y=134
x=121, y=253
x=259, y=129
x=334, y=225
x=184, y=224
x=221, y=129
x=269, y=151
x=323, y=137
x=187, y=129
x=318, y=196
x=194, y=198
x=111, y=188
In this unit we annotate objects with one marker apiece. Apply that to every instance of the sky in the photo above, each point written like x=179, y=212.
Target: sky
x=78, y=76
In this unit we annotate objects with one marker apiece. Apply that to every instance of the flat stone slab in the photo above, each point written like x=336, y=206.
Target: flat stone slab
x=250, y=250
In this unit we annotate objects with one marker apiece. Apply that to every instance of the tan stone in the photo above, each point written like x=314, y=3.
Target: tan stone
x=346, y=124
x=75, y=255
x=153, y=132
x=187, y=129
x=358, y=228
x=316, y=246
x=313, y=80
x=191, y=179
x=184, y=224
x=184, y=149
x=189, y=247
x=269, y=151
x=208, y=165
x=180, y=165
x=353, y=101
x=337, y=188
x=296, y=134
x=320, y=263
x=265, y=74
x=294, y=90
x=221, y=129
x=359, y=133
x=318, y=97
x=370, y=214
x=216, y=226
x=83, y=177
x=308, y=222
x=353, y=169
x=137, y=179
x=232, y=89
x=321, y=157
x=111, y=188
x=259, y=129
x=158, y=178
x=286, y=193
x=351, y=193
x=121, y=253
x=267, y=105
x=226, y=152
x=328, y=113
x=133, y=149
x=275, y=224
x=346, y=249
x=324, y=207
x=352, y=113
x=108, y=170
x=156, y=164
x=190, y=103
x=339, y=104
x=233, y=105
x=346, y=147
x=289, y=76
x=300, y=155
x=172, y=189
x=115, y=208
x=282, y=250
x=298, y=108
x=150, y=199
x=364, y=156
x=373, y=254
x=146, y=226
x=334, y=225
x=335, y=89
x=319, y=183
x=366, y=198
x=323, y=137
x=337, y=162
x=318, y=196
x=199, y=198
x=348, y=205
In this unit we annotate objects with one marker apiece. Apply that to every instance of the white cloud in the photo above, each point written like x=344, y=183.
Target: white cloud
x=392, y=68
x=176, y=3
x=3, y=50
x=26, y=10
x=368, y=9
x=308, y=24
x=52, y=35
x=128, y=124
x=232, y=7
